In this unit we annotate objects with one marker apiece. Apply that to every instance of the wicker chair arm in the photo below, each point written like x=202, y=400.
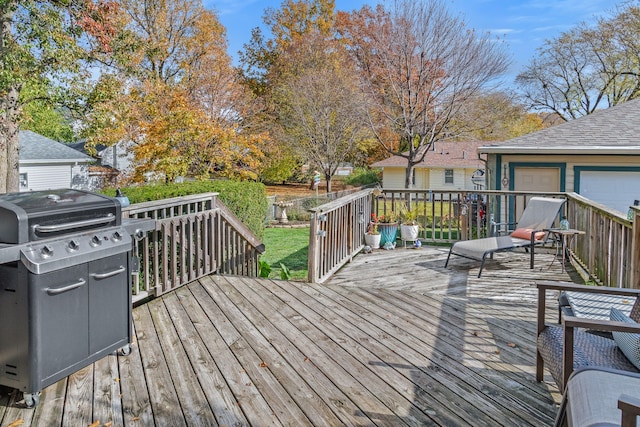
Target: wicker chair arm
x=630, y=407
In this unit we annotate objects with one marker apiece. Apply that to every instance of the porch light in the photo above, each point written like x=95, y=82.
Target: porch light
x=505, y=177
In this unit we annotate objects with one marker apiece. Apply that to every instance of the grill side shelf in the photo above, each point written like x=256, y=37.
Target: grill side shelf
x=9, y=253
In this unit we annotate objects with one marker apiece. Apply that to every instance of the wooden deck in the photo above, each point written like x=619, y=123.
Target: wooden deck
x=394, y=339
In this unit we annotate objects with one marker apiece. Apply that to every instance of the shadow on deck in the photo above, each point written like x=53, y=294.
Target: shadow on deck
x=392, y=339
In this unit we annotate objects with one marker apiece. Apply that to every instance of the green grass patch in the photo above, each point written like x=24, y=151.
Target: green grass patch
x=289, y=246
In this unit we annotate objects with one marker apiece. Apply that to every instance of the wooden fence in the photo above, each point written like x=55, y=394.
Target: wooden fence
x=609, y=252
x=194, y=236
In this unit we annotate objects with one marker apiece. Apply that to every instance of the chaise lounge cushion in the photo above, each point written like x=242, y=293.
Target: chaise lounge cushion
x=525, y=233
x=589, y=350
x=627, y=342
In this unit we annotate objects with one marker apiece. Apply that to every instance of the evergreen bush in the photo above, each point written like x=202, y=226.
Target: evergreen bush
x=246, y=199
x=362, y=177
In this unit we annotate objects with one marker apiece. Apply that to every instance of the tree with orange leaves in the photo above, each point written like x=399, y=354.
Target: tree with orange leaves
x=320, y=106
x=180, y=101
x=419, y=65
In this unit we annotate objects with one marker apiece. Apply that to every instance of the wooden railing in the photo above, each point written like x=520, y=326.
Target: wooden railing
x=606, y=250
x=336, y=233
x=449, y=216
x=194, y=236
x=609, y=252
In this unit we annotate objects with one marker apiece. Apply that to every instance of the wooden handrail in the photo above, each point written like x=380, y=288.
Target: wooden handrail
x=609, y=252
x=605, y=252
x=194, y=236
x=336, y=233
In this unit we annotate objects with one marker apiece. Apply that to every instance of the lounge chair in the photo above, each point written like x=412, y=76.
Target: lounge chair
x=538, y=215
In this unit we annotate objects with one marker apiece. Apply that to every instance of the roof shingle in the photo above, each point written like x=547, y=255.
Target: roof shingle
x=614, y=129
x=38, y=148
x=449, y=154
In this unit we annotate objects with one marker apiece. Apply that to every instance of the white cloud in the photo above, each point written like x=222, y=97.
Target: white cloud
x=504, y=31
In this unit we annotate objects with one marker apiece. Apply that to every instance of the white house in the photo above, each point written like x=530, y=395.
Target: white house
x=46, y=164
x=112, y=162
x=447, y=166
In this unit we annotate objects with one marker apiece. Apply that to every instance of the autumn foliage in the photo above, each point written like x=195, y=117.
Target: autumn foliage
x=178, y=98
x=322, y=87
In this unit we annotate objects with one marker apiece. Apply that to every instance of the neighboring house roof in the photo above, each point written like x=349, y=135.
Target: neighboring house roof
x=103, y=170
x=81, y=148
x=450, y=154
x=35, y=148
x=615, y=130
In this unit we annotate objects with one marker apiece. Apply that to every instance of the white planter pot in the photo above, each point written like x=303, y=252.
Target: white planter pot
x=409, y=232
x=372, y=240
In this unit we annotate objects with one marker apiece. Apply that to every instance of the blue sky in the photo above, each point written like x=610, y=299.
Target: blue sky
x=524, y=24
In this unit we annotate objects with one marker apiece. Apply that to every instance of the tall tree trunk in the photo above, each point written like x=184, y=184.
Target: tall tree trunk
x=9, y=177
x=408, y=177
x=11, y=128
x=3, y=161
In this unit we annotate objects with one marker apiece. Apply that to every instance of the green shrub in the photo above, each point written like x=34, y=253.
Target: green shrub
x=246, y=199
x=363, y=176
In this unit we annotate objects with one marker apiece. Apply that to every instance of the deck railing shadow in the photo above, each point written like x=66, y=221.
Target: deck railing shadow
x=608, y=252
x=491, y=349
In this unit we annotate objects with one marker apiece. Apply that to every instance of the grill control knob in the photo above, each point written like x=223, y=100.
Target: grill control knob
x=116, y=236
x=46, y=251
x=95, y=241
x=74, y=245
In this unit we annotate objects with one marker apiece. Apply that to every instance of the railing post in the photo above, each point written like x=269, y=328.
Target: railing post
x=312, y=274
x=463, y=215
x=635, y=248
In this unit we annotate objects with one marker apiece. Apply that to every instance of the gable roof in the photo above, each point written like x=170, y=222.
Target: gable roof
x=449, y=154
x=81, y=148
x=615, y=130
x=35, y=148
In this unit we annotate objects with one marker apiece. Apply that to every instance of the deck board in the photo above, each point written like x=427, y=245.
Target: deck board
x=136, y=403
x=393, y=339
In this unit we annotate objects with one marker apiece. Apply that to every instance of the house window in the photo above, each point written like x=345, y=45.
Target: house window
x=448, y=176
x=413, y=178
x=24, y=182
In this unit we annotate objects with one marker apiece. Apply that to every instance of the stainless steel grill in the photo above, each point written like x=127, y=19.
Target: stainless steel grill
x=65, y=299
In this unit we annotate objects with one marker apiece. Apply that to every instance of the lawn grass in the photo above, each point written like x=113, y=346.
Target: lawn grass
x=289, y=246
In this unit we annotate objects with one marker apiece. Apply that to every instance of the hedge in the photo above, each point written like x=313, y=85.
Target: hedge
x=247, y=200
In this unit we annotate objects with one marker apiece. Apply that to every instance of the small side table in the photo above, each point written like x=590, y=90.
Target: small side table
x=565, y=237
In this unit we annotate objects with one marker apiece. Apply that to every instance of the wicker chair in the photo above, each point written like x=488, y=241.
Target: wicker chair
x=564, y=347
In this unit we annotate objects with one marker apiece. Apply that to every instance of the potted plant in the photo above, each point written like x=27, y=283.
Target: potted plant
x=372, y=236
x=387, y=225
x=409, y=228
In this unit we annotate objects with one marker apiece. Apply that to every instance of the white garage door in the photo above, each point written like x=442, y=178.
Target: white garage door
x=617, y=190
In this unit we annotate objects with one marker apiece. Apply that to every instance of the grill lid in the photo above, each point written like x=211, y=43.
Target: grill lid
x=36, y=215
